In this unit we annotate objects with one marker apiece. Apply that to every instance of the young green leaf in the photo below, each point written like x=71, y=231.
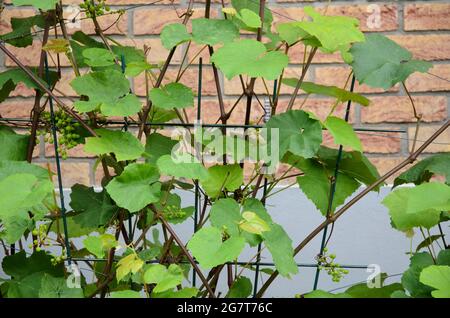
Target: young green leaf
x=333, y=32
x=225, y=214
x=207, y=247
x=343, y=133
x=380, y=62
x=222, y=178
x=249, y=18
x=38, y=4
x=418, y=206
x=252, y=223
x=182, y=293
x=125, y=294
x=97, y=57
x=213, y=31
x=298, y=133
x=185, y=166
x=136, y=187
x=173, y=95
x=123, y=144
x=164, y=278
x=249, y=57
x=437, y=277
x=129, y=264
x=98, y=245
x=174, y=34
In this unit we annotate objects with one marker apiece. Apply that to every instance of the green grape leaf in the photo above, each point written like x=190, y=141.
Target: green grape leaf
x=333, y=32
x=353, y=163
x=14, y=226
x=298, y=133
x=185, y=166
x=213, y=31
x=276, y=239
x=225, y=214
x=323, y=294
x=164, y=278
x=340, y=94
x=136, y=187
x=423, y=171
x=170, y=206
x=27, y=287
x=10, y=78
x=98, y=57
x=343, y=133
x=129, y=264
x=95, y=208
x=280, y=246
x=410, y=278
x=19, y=265
x=125, y=294
x=252, y=223
x=428, y=241
x=20, y=36
x=174, y=34
x=133, y=69
x=108, y=90
x=380, y=62
x=56, y=287
x=173, y=95
x=418, y=206
x=437, y=277
x=8, y=168
x=14, y=146
x=221, y=178
x=123, y=144
x=157, y=146
x=98, y=245
x=249, y=57
x=38, y=4
x=207, y=247
x=290, y=32
x=182, y=293
x=316, y=184
x=249, y=18
x=363, y=291
x=241, y=288
x=22, y=191
x=253, y=6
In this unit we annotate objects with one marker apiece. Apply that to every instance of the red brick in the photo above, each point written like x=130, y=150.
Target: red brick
x=430, y=47
x=380, y=142
x=72, y=172
x=16, y=108
x=385, y=164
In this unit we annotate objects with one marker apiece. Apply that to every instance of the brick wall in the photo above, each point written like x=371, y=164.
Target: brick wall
x=421, y=26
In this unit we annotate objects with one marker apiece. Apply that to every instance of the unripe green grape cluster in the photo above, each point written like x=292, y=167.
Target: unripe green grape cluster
x=68, y=137
x=58, y=259
x=40, y=237
x=95, y=8
x=173, y=212
x=333, y=269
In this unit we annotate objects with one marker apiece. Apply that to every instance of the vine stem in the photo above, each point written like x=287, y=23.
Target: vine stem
x=184, y=250
x=411, y=158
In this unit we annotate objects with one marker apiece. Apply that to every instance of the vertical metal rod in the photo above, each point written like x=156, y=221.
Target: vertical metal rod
x=58, y=164
x=258, y=257
x=197, y=189
x=333, y=189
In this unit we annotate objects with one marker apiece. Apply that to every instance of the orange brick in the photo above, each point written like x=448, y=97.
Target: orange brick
x=396, y=109
x=380, y=142
x=30, y=56
x=430, y=47
x=427, y=16
x=440, y=144
x=422, y=82
x=7, y=14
